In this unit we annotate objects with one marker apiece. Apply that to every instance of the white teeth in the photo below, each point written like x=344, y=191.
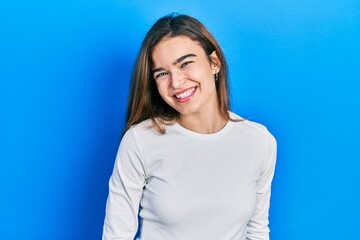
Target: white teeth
x=185, y=94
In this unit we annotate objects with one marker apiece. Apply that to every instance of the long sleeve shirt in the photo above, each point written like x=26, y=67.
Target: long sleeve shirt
x=190, y=186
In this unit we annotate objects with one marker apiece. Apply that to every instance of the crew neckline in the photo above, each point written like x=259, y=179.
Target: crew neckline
x=203, y=136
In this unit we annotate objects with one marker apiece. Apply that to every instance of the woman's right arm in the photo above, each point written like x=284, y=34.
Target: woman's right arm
x=125, y=191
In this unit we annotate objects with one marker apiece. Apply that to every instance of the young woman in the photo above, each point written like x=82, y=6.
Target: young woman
x=187, y=166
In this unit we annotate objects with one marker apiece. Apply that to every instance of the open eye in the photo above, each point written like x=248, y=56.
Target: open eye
x=186, y=64
x=160, y=75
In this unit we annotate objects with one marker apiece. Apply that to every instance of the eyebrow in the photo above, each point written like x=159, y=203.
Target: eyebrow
x=179, y=60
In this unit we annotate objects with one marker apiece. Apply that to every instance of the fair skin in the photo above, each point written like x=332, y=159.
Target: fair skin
x=185, y=80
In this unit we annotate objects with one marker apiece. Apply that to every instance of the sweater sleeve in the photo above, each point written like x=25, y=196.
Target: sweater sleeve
x=257, y=227
x=125, y=191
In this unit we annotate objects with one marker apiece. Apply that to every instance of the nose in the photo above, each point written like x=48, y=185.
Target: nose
x=177, y=80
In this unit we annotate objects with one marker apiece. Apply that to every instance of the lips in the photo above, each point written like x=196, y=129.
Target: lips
x=185, y=95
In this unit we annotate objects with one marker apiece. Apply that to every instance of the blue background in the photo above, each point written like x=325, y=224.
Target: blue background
x=65, y=69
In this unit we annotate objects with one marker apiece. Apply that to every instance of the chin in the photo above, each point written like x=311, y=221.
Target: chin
x=186, y=111
x=186, y=108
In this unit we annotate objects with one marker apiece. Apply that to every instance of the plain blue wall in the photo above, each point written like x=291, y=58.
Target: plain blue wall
x=65, y=68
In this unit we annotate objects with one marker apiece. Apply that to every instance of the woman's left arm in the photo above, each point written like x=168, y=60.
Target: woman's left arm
x=257, y=227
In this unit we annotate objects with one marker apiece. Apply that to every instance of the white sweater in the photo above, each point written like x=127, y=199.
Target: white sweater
x=191, y=186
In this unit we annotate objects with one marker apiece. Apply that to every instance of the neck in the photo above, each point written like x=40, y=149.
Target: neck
x=203, y=123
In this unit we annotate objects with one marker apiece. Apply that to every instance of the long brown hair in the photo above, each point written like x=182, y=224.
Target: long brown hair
x=145, y=101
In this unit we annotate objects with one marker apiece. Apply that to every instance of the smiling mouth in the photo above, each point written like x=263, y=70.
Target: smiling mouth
x=185, y=95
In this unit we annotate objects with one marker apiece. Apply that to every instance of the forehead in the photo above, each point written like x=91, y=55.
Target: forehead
x=171, y=48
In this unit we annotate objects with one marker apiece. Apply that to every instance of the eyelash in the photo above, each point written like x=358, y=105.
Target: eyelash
x=160, y=75
x=181, y=67
x=186, y=64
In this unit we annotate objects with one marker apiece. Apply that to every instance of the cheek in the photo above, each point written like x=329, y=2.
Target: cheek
x=162, y=89
x=203, y=72
x=205, y=78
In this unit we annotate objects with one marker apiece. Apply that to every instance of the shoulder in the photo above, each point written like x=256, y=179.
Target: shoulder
x=140, y=130
x=259, y=138
x=248, y=124
x=143, y=133
x=254, y=129
x=132, y=141
x=143, y=140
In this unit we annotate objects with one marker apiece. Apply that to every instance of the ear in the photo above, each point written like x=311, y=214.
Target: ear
x=215, y=62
